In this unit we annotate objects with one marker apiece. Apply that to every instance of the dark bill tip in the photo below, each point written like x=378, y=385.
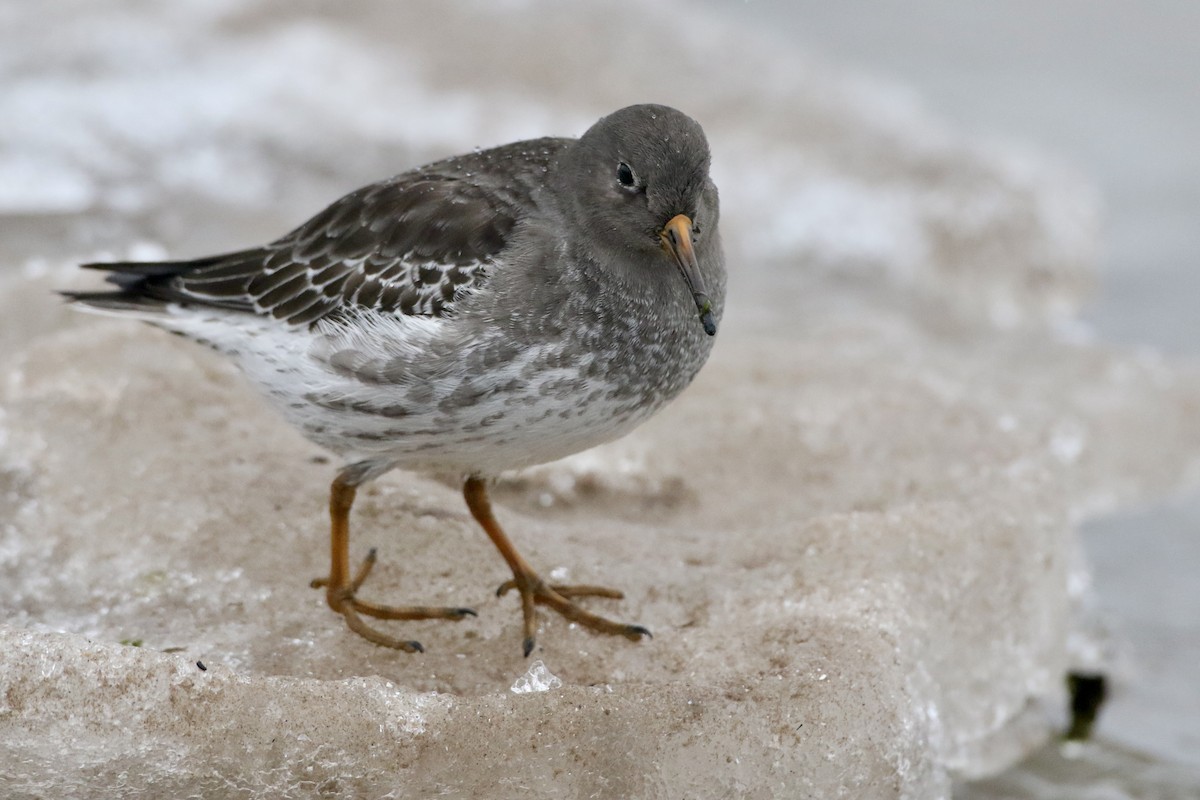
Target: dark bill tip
x=704, y=305
x=676, y=238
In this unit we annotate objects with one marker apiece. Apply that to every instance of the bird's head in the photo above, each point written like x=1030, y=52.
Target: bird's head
x=638, y=182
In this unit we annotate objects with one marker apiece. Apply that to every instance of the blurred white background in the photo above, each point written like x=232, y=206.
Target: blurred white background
x=1110, y=88
x=1113, y=90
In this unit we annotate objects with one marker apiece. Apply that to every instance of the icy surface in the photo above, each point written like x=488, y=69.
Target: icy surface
x=536, y=679
x=854, y=538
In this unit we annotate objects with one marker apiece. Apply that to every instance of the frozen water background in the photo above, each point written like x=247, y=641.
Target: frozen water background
x=903, y=425
x=1104, y=87
x=1109, y=90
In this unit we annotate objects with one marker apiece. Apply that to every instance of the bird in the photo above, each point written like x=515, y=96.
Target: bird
x=484, y=313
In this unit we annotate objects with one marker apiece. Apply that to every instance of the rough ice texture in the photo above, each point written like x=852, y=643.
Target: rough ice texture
x=536, y=679
x=854, y=538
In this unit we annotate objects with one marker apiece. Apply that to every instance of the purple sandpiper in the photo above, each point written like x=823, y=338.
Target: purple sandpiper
x=487, y=312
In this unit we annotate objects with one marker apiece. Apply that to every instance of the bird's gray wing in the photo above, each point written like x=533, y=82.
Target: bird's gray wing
x=411, y=244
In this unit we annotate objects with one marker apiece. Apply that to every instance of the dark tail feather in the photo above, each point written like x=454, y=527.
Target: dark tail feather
x=115, y=301
x=137, y=285
x=130, y=273
x=146, y=268
x=143, y=286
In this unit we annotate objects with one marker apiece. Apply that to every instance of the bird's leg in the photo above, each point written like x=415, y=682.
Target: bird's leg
x=340, y=589
x=534, y=591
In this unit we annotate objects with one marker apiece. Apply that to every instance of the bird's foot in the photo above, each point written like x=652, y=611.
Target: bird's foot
x=534, y=592
x=342, y=600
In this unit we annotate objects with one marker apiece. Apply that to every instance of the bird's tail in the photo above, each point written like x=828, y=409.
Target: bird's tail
x=142, y=287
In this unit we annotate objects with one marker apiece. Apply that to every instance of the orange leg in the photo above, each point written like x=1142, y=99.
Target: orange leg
x=340, y=589
x=534, y=591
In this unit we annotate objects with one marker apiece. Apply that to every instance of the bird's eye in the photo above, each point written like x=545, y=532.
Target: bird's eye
x=625, y=176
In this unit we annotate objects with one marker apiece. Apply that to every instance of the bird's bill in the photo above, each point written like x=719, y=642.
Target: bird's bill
x=676, y=237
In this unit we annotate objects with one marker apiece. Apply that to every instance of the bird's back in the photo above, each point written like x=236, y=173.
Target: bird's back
x=410, y=245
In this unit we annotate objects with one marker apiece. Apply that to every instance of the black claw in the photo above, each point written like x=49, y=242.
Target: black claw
x=502, y=590
x=465, y=612
x=640, y=631
x=528, y=646
x=416, y=647
x=371, y=554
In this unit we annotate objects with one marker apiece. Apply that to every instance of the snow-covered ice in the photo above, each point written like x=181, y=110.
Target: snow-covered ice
x=855, y=538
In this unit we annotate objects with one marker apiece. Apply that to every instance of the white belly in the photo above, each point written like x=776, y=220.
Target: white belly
x=438, y=416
